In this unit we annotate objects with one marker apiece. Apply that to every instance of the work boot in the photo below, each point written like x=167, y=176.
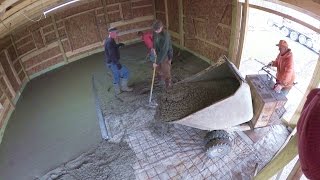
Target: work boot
x=124, y=85
x=117, y=90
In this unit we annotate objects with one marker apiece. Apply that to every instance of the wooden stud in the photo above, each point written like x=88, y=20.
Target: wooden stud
x=18, y=58
x=243, y=31
x=68, y=38
x=235, y=29
x=6, y=79
x=181, y=31
x=12, y=67
x=59, y=40
x=167, y=13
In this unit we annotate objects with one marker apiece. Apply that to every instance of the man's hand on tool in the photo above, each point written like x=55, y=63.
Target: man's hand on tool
x=153, y=52
x=155, y=65
x=277, y=88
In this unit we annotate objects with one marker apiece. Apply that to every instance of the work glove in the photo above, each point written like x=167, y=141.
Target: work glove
x=119, y=66
x=155, y=65
x=277, y=88
x=120, y=45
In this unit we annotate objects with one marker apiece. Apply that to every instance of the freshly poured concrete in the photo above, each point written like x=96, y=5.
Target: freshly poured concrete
x=54, y=121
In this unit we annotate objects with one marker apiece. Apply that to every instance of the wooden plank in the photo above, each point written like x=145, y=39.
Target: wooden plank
x=131, y=21
x=35, y=53
x=181, y=31
x=235, y=29
x=12, y=67
x=243, y=31
x=283, y=157
x=6, y=79
x=314, y=83
x=167, y=13
x=59, y=40
x=6, y=3
x=316, y=29
x=174, y=34
x=46, y=60
x=224, y=26
x=18, y=58
x=143, y=6
x=6, y=94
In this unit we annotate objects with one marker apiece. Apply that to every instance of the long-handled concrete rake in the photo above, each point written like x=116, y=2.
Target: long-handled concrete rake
x=152, y=104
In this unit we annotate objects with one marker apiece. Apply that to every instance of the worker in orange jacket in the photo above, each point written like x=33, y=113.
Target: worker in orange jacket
x=285, y=68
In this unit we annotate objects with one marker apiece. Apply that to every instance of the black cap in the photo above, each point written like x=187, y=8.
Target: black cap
x=112, y=29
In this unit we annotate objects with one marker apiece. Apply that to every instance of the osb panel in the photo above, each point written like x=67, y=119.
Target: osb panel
x=127, y=37
x=45, y=65
x=142, y=3
x=200, y=28
x=42, y=57
x=48, y=29
x=126, y=10
x=27, y=48
x=17, y=66
x=60, y=24
x=82, y=30
x=5, y=113
x=161, y=17
x=144, y=11
x=66, y=46
x=222, y=36
x=21, y=33
x=38, y=39
x=227, y=18
x=62, y=33
x=12, y=53
x=21, y=76
x=5, y=42
x=8, y=71
x=75, y=9
x=45, y=21
x=24, y=41
x=100, y=11
x=173, y=14
x=50, y=38
x=160, y=6
x=189, y=27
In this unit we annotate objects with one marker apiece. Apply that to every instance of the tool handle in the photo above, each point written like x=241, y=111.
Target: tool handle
x=154, y=73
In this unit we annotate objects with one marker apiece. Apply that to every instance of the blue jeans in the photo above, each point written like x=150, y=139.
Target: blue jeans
x=118, y=73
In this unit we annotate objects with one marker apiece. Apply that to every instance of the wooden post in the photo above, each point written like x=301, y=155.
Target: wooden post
x=12, y=67
x=59, y=40
x=235, y=29
x=282, y=158
x=181, y=32
x=167, y=13
x=15, y=49
x=243, y=31
x=314, y=83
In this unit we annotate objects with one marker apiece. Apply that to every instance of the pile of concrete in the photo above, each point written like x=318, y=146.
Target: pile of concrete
x=186, y=98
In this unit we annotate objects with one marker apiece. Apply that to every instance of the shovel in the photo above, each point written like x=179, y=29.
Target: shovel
x=152, y=104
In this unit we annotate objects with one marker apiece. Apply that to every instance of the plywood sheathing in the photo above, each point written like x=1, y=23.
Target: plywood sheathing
x=207, y=27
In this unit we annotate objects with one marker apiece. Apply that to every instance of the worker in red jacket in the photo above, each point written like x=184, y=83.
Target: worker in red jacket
x=147, y=39
x=308, y=129
x=285, y=68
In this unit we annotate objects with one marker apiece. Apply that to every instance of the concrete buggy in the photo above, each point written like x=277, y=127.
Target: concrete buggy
x=215, y=100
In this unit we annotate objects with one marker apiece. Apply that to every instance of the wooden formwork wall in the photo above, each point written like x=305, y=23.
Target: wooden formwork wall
x=62, y=37
x=202, y=27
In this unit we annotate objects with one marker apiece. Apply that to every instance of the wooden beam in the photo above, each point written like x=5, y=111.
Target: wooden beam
x=12, y=67
x=314, y=83
x=167, y=13
x=181, y=31
x=59, y=40
x=212, y=43
x=6, y=79
x=316, y=29
x=243, y=31
x=131, y=21
x=6, y=3
x=235, y=29
x=282, y=158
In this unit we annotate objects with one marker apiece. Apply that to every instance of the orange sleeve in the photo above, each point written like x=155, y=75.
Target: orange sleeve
x=288, y=71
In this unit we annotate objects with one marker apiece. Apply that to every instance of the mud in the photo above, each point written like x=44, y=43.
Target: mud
x=187, y=98
x=109, y=160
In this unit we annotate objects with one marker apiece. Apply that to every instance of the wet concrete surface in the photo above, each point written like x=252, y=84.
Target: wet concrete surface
x=170, y=151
